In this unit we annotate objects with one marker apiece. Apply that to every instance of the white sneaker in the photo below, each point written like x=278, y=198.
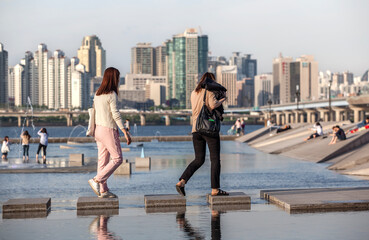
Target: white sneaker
x=95, y=186
x=108, y=194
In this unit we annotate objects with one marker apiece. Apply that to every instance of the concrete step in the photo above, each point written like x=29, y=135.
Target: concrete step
x=124, y=169
x=164, y=200
x=96, y=212
x=234, y=198
x=27, y=205
x=143, y=162
x=319, y=199
x=92, y=203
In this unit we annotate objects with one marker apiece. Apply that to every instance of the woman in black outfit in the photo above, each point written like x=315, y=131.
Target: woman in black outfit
x=215, y=96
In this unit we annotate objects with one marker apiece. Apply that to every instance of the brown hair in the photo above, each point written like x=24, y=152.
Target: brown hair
x=203, y=78
x=110, y=82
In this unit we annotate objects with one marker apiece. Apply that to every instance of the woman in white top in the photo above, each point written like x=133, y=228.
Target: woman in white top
x=107, y=121
x=5, y=148
x=318, y=131
x=43, y=144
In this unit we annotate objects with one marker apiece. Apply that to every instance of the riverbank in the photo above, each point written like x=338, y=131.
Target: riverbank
x=350, y=157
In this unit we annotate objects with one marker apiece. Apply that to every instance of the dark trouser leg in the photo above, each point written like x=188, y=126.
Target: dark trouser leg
x=214, y=149
x=24, y=150
x=199, y=145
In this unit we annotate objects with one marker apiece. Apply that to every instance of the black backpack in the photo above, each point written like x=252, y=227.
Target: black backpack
x=208, y=123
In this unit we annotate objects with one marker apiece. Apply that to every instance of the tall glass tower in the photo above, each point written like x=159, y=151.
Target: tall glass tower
x=187, y=59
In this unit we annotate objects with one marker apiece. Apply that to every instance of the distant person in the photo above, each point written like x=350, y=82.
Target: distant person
x=5, y=148
x=338, y=134
x=126, y=125
x=238, y=127
x=243, y=126
x=198, y=99
x=318, y=131
x=25, y=144
x=44, y=139
x=108, y=120
x=284, y=128
x=360, y=126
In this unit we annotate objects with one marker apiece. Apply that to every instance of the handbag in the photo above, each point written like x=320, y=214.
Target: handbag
x=207, y=122
x=91, y=122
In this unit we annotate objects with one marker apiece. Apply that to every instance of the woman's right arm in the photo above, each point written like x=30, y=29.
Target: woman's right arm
x=213, y=103
x=39, y=132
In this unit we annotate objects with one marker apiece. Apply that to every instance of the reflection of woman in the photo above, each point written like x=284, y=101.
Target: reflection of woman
x=99, y=227
x=198, y=99
x=107, y=121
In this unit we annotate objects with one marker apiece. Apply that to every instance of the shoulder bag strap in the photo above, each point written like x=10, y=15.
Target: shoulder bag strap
x=204, y=100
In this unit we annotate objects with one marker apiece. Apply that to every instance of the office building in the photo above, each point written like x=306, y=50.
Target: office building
x=156, y=92
x=246, y=67
x=58, y=81
x=187, y=56
x=31, y=77
x=138, y=81
x=142, y=59
x=92, y=55
x=10, y=85
x=41, y=62
x=3, y=75
x=263, y=89
x=80, y=89
x=214, y=62
x=348, y=78
x=281, y=80
x=227, y=77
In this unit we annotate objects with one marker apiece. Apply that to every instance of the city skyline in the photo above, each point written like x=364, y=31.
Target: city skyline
x=268, y=28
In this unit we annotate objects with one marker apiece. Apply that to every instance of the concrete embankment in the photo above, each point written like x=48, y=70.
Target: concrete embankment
x=122, y=139
x=348, y=157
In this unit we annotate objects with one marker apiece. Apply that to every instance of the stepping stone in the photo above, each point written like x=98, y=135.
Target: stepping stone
x=27, y=205
x=23, y=215
x=143, y=162
x=96, y=212
x=92, y=203
x=232, y=198
x=76, y=159
x=319, y=199
x=164, y=200
x=126, y=149
x=181, y=209
x=233, y=207
x=124, y=169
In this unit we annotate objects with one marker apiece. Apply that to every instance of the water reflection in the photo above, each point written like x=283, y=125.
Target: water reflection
x=193, y=233
x=99, y=229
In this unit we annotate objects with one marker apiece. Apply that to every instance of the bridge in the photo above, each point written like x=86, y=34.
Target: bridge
x=341, y=109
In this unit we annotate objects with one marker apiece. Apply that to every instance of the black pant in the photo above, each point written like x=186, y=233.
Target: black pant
x=43, y=149
x=199, y=145
x=25, y=150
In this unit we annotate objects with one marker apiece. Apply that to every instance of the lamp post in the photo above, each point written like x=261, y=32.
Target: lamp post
x=329, y=99
x=297, y=96
x=270, y=113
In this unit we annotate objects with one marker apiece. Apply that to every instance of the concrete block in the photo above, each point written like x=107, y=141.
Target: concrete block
x=92, y=203
x=96, y=212
x=126, y=149
x=164, y=200
x=180, y=209
x=76, y=159
x=143, y=162
x=233, y=198
x=124, y=169
x=27, y=205
x=233, y=207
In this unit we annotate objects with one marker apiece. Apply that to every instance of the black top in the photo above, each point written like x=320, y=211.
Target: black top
x=340, y=134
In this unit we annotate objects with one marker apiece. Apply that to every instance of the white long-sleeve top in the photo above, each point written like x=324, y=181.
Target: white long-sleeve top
x=43, y=138
x=106, y=111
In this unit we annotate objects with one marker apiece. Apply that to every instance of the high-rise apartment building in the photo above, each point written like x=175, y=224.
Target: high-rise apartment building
x=19, y=85
x=142, y=59
x=93, y=56
x=155, y=91
x=160, y=63
x=3, y=75
x=58, y=81
x=31, y=77
x=41, y=62
x=227, y=77
x=187, y=56
x=246, y=67
x=80, y=88
x=214, y=62
x=263, y=89
x=10, y=86
x=348, y=78
x=74, y=61
x=139, y=81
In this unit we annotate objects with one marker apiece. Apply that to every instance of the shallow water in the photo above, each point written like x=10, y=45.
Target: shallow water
x=243, y=169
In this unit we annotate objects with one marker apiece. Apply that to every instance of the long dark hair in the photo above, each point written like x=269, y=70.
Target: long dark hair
x=203, y=78
x=25, y=133
x=43, y=130
x=110, y=81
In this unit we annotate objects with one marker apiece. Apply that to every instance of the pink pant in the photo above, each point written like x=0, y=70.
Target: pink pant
x=108, y=145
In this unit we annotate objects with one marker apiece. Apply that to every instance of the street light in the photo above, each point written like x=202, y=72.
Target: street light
x=297, y=96
x=270, y=113
x=329, y=99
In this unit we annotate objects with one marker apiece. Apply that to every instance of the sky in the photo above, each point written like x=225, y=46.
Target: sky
x=335, y=32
